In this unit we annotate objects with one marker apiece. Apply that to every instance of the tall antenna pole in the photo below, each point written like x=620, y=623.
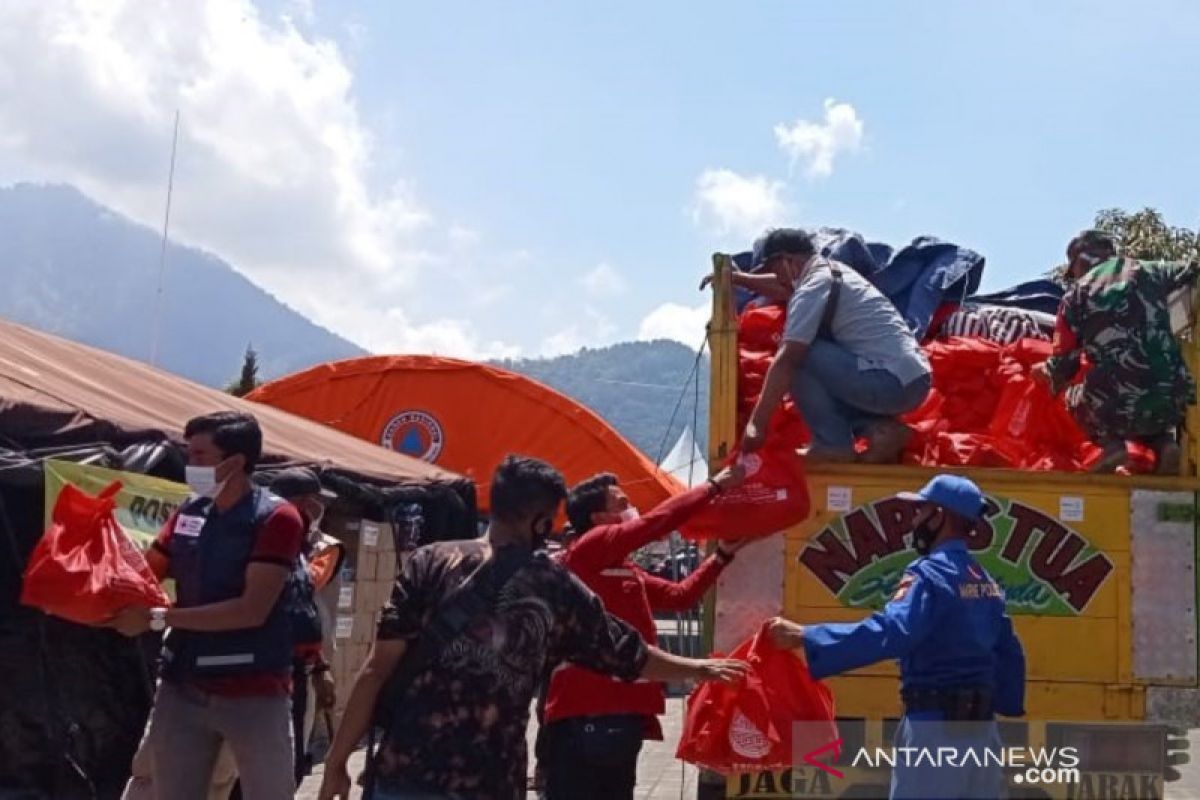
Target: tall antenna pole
x=162, y=255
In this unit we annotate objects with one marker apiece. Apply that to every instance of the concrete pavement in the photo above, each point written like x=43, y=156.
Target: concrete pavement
x=662, y=777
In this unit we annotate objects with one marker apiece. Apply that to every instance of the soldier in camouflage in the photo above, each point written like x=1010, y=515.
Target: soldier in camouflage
x=1115, y=314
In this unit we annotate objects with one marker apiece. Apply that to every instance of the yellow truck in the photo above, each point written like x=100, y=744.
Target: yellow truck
x=1100, y=578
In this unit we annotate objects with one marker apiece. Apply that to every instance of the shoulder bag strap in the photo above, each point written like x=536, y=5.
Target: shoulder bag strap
x=831, y=302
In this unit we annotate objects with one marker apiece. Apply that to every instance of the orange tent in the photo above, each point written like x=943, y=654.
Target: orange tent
x=465, y=417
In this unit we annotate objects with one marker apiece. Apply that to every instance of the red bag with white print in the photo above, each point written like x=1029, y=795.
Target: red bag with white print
x=778, y=714
x=774, y=497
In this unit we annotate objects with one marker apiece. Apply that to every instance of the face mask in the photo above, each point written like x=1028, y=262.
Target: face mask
x=924, y=535
x=203, y=481
x=630, y=514
x=540, y=532
x=315, y=515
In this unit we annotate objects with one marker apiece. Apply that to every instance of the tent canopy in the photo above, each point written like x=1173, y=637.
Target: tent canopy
x=53, y=391
x=466, y=417
x=685, y=461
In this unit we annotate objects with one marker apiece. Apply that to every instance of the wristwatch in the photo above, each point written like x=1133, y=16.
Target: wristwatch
x=158, y=619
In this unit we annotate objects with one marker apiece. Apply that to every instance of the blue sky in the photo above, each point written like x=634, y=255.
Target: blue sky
x=549, y=158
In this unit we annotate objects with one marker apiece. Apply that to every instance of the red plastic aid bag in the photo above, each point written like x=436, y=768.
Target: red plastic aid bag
x=752, y=725
x=85, y=569
x=773, y=498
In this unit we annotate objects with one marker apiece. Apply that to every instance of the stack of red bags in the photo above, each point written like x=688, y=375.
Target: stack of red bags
x=774, y=496
x=760, y=330
x=985, y=409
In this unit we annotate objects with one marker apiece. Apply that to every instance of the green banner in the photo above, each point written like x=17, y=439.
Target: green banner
x=143, y=504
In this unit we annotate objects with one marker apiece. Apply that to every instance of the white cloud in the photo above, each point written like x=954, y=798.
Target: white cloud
x=604, y=281
x=391, y=331
x=738, y=205
x=461, y=236
x=277, y=171
x=817, y=144
x=677, y=322
x=304, y=10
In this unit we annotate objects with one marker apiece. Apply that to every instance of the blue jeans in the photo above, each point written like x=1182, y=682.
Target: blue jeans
x=838, y=398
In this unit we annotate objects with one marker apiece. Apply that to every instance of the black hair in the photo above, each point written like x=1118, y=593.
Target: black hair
x=587, y=498
x=1093, y=241
x=792, y=241
x=523, y=487
x=234, y=434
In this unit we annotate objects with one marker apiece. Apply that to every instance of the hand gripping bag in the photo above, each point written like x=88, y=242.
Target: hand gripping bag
x=773, y=498
x=753, y=725
x=85, y=569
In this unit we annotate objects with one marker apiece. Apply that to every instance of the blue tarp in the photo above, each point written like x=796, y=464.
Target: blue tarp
x=1041, y=295
x=917, y=278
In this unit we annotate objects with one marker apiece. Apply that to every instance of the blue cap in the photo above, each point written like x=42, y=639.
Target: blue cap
x=953, y=493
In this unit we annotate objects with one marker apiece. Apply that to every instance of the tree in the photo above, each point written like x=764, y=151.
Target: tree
x=248, y=381
x=1144, y=235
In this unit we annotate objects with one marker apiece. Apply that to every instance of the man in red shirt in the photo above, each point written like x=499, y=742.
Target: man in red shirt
x=226, y=675
x=594, y=726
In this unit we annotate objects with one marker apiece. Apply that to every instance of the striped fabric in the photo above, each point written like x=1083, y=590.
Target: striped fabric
x=999, y=324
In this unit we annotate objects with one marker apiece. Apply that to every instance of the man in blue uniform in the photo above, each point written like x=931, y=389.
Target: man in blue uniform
x=960, y=661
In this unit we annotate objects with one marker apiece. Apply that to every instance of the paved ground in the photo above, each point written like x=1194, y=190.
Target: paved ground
x=661, y=777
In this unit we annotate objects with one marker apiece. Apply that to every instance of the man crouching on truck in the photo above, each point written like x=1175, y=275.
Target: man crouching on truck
x=594, y=725
x=847, y=355
x=959, y=658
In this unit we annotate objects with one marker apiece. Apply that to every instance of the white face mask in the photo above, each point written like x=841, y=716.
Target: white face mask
x=630, y=514
x=203, y=481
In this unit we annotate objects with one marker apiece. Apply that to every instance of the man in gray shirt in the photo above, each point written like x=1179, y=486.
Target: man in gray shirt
x=851, y=363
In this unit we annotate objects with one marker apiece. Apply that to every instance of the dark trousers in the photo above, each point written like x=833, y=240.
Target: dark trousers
x=300, y=689
x=592, y=758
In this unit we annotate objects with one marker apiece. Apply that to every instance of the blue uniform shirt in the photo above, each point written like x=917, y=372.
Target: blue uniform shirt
x=946, y=624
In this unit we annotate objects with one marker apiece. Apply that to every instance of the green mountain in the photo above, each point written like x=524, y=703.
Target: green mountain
x=646, y=390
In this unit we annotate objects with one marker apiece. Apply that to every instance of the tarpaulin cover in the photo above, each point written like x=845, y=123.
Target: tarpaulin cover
x=85, y=569
x=55, y=392
x=466, y=417
x=751, y=725
x=917, y=278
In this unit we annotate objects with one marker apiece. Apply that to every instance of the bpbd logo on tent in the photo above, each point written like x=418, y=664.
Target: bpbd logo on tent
x=416, y=434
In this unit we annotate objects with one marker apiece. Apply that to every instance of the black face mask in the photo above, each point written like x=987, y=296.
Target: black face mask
x=540, y=532
x=925, y=533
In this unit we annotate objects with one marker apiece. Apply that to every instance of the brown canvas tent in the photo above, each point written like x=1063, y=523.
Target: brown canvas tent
x=75, y=698
x=54, y=391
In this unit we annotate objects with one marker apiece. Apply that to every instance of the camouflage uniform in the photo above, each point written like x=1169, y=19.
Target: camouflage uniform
x=1138, y=387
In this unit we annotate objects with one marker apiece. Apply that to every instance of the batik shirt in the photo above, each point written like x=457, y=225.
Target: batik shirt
x=1117, y=316
x=461, y=725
